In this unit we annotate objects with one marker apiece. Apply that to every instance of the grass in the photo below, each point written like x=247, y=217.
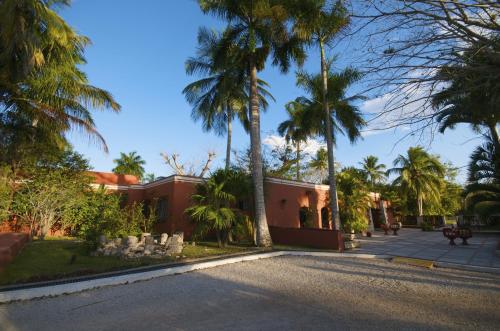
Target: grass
x=51, y=259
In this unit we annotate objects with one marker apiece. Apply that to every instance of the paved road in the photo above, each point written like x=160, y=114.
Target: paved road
x=433, y=246
x=282, y=293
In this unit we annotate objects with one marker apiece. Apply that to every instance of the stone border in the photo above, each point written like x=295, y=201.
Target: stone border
x=30, y=292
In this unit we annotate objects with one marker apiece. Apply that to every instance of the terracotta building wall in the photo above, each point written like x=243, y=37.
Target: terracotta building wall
x=285, y=198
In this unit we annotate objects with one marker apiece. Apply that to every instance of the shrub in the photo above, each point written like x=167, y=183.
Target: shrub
x=96, y=213
x=427, y=226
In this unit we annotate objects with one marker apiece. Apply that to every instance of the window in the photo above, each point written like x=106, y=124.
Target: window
x=161, y=209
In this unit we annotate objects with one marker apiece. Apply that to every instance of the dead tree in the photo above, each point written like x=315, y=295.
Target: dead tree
x=188, y=168
x=403, y=44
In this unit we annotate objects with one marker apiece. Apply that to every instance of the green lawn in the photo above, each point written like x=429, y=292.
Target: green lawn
x=51, y=259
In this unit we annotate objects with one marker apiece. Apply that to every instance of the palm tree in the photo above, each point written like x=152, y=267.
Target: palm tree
x=318, y=24
x=222, y=94
x=319, y=163
x=483, y=190
x=420, y=174
x=346, y=119
x=374, y=172
x=293, y=129
x=129, y=164
x=354, y=199
x=212, y=208
x=149, y=178
x=260, y=29
x=469, y=96
x=40, y=75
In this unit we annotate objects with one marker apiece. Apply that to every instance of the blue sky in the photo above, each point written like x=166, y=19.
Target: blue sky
x=138, y=52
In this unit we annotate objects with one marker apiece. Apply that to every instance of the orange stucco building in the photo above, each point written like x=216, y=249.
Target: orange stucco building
x=284, y=199
x=287, y=201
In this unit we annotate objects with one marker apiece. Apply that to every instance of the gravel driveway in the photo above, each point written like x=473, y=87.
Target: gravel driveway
x=276, y=294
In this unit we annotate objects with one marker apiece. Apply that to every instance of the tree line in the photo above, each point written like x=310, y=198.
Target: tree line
x=445, y=62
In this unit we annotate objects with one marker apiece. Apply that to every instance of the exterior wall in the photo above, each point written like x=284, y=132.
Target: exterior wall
x=109, y=178
x=284, y=198
x=317, y=238
x=177, y=191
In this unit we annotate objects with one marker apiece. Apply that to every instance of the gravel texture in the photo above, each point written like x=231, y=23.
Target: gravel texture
x=292, y=293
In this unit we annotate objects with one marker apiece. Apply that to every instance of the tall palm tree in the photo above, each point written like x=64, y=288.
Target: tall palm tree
x=293, y=129
x=420, y=174
x=374, y=171
x=260, y=29
x=346, y=119
x=129, y=164
x=40, y=75
x=223, y=93
x=318, y=22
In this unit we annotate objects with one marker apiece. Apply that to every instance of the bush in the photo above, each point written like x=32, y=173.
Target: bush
x=427, y=226
x=96, y=213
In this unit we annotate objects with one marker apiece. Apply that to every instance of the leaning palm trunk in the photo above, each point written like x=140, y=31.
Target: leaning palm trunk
x=263, y=235
x=298, y=160
x=334, y=206
x=228, y=145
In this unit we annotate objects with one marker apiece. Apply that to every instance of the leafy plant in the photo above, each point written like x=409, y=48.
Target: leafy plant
x=96, y=213
x=215, y=203
x=354, y=201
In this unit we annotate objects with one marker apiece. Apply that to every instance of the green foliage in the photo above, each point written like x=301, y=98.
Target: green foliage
x=354, y=200
x=5, y=193
x=483, y=189
x=346, y=119
x=472, y=89
x=130, y=164
x=95, y=213
x=427, y=226
x=40, y=75
x=132, y=219
x=99, y=212
x=419, y=175
x=373, y=171
x=150, y=216
x=319, y=165
x=214, y=203
x=46, y=191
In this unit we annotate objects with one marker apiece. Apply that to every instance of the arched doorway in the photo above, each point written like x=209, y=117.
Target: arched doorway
x=303, y=213
x=325, y=219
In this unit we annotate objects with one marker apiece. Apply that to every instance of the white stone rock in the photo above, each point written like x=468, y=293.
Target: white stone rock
x=131, y=241
x=163, y=238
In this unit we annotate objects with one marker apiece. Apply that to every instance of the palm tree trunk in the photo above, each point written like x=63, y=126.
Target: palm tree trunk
x=263, y=235
x=494, y=134
x=334, y=205
x=229, y=136
x=298, y=159
x=420, y=205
